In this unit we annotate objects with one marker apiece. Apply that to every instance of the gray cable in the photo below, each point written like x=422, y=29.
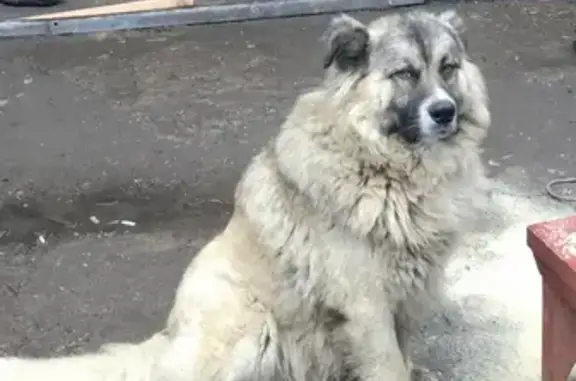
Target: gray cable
x=557, y=196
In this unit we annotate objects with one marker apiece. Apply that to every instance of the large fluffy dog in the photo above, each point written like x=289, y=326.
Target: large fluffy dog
x=341, y=228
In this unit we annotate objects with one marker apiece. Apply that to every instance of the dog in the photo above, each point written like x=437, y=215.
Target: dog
x=342, y=224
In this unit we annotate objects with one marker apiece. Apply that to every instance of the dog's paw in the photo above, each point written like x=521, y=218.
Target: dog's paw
x=423, y=374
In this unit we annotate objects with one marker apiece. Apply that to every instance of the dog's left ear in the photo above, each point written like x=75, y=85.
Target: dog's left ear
x=453, y=20
x=348, y=44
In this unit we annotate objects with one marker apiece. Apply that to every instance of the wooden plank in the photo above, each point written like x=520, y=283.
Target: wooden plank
x=197, y=15
x=122, y=8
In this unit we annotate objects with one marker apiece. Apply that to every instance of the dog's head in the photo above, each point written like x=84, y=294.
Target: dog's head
x=408, y=77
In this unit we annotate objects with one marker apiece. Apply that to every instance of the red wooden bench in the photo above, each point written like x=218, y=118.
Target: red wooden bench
x=554, y=246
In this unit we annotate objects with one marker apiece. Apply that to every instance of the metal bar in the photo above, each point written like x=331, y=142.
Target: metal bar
x=192, y=16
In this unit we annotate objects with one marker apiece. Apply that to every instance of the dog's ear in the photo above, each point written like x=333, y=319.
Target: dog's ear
x=453, y=20
x=348, y=43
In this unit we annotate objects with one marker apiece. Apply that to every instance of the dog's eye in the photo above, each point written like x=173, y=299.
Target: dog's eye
x=447, y=70
x=408, y=74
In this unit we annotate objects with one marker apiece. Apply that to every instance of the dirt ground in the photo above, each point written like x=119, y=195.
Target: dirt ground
x=155, y=128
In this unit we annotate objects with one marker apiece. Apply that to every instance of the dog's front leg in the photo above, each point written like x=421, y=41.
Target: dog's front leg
x=375, y=353
x=404, y=327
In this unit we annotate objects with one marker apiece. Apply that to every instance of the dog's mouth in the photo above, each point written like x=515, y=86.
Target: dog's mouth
x=416, y=133
x=447, y=131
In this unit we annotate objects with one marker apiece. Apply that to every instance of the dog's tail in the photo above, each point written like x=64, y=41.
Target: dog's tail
x=115, y=362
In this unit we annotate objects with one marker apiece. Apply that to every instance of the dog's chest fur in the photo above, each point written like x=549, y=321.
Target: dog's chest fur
x=407, y=245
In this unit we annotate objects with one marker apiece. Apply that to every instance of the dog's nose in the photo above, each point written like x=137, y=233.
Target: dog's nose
x=442, y=112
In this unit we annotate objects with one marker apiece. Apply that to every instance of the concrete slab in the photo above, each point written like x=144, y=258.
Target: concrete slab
x=155, y=127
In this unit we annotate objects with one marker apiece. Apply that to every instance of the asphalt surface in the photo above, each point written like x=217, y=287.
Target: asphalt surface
x=155, y=128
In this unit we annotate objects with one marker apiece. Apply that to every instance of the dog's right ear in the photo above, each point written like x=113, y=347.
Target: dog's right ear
x=348, y=44
x=453, y=20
